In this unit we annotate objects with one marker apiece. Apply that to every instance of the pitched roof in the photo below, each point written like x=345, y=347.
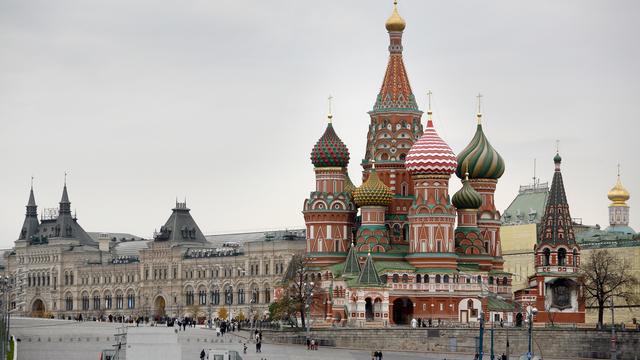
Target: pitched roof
x=528, y=206
x=351, y=263
x=369, y=275
x=556, y=226
x=180, y=227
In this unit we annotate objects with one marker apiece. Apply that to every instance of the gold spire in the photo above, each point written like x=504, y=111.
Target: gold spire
x=618, y=194
x=395, y=22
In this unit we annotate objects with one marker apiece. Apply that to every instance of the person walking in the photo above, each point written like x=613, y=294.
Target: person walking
x=202, y=354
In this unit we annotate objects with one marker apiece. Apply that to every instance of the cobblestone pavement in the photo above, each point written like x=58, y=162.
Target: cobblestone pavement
x=70, y=340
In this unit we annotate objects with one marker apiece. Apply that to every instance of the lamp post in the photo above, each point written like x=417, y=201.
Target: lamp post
x=480, y=339
x=613, y=334
x=530, y=313
x=492, y=324
x=308, y=290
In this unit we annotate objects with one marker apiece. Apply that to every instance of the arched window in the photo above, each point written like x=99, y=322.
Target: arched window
x=505, y=282
x=85, y=301
x=546, y=256
x=108, y=301
x=96, y=301
x=575, y=257
x=189, y=297
x=562, y=257
x=425, y=279
x=396, y=278
x=69, y=302
x=267, y=295
x=490, y=280
x=241, y=295
x=479, y=279
x=418, y=278
x=215, y=296
x=384, y=278
x=131, y=301
x=404, y=188
x=438, y=279
x=445, y=279
x=202, y=296
x=405, y=278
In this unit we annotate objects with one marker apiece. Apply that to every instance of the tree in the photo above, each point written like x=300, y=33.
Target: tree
x=223, y=313
x=240, y=316
x=283, y=309
x=300, y=284
x=607, y=277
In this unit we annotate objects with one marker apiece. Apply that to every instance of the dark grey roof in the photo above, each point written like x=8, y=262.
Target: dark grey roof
x=528, y=205
x=96, y=236
x=30, y=225
x=180, y=227
x=369, y=275
x=130, y=248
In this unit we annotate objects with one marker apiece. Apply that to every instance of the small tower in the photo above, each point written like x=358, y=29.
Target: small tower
x=373, y=197
x=485, y=166
x=31, y=223
x=619, y=209
x=431, y=216
x=329, y=212
x=557, y=258
x=468, y=238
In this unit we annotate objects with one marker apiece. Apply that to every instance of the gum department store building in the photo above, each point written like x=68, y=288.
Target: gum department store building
x=57, y=269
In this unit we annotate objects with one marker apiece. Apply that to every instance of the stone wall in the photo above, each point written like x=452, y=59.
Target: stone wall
x=565, y=343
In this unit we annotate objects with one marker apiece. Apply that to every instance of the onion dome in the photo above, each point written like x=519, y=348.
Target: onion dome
x=373, y=192
x=618, y=194
x=330, y=151
x=557, y=159
x=467, y=197
x=395, y=22
x=348, y=184
x=430, y=154
x=483, y=160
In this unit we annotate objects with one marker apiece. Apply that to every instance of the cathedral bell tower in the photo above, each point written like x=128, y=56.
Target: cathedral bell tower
x=394, y=127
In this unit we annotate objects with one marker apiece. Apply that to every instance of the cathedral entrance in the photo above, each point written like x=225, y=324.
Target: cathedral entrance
x=519, y=320
x=368, y=309
x=402, y=311
x=37, y=309
x=159, y=307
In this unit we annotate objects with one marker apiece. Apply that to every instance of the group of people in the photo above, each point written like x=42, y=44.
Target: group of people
x=257, y=335
x=312, y=344
x=501, y=357
x=417, y=323
x=376, y=355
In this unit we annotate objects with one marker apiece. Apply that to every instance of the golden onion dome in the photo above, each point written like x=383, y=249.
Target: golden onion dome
x=373, y=192
x=618, y=194
x=395, y=22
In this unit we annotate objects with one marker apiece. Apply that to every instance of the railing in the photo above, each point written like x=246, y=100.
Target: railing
x=434, y=287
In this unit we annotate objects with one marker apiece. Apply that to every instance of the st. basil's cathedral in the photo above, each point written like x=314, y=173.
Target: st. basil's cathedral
x=404, y=257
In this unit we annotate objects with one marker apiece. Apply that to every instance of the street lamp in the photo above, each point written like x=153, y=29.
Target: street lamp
x=481, y=338
x=308, y=290
x=530, y=313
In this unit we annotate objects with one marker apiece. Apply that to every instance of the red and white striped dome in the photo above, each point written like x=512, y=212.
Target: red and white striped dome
x=430, y=155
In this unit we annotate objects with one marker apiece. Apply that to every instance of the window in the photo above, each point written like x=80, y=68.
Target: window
x=119, y=301
x=215, y=297
x=546, y=256
x=85, y=301
x=69, y=302
x=438, y=279
x=266, y=269
x=131, y=301
x=445, y=279
x=383, y=278
x=405, y=278
x=189, y=297
x=425, y=279
x=267, y=295
x=108, y=303
x=490, y=280
x=562, y=257
x=396, y=278
x=418, y=278
x=241, y=296
x=228, y=296
x=96, y=302
x=202, y=296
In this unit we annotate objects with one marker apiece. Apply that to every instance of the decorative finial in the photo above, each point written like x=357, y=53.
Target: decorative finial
x=479, y=114
x=65, y=178
x=373, y=164
x=330, y=114
x=429, y=93
x=466, y=170
x=32, y=180
x=618, y=171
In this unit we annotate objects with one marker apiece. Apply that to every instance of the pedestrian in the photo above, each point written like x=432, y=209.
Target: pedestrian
x=379, y=354
x=202, y=354
x=308, y=343
x=414, y=323
x=313, y=344
x=374, y=355
x=503, y=357
x=244, y=348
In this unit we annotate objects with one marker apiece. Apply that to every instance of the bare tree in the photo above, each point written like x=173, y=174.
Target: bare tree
x=301, y=285
x=607, y=277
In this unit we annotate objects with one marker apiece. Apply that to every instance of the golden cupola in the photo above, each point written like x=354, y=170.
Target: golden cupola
x=618, y=194
x=395, y=22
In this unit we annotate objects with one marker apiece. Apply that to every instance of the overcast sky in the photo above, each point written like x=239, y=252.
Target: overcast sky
x=221, y=101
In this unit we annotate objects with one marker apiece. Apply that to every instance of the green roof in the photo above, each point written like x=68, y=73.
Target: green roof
x=436, y=271
x=495, y=304
x=351, y=264
x=382, y=265
x=528, y=206
x=369, y=275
